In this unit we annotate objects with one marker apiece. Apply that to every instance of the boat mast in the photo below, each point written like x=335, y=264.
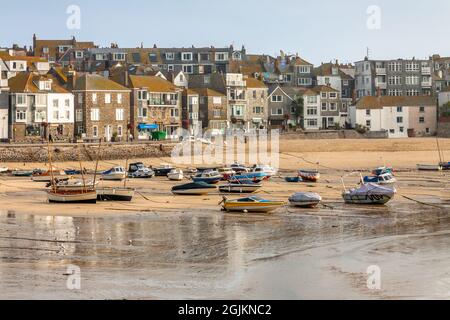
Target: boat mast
x=82, y=172
x=51, y=165
x=126, y=173
x=96, y=164
x=439, y=151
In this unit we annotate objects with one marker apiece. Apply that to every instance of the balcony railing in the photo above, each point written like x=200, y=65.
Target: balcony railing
x=380, y=71
x=426, y=70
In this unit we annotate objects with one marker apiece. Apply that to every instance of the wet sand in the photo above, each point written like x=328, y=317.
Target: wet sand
x=164, y=246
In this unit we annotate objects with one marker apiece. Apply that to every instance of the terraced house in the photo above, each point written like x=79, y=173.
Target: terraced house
x=257, y=105
x=283, y=113
x=155, y=105
x=39, y=106
x=102, y=108
x=212, y=110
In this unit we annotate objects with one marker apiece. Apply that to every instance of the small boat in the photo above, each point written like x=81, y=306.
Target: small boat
x=268, y=170
x=254, y=176
x=73, y=184
x=226, y=173
x=163, y=170
x=445, y=165
x=194, y=188
x=305, y=199
x=240, y=186
x=369, y=193
x=250, y=204
x=385, y=178
x=72, y=172
x=208, y=176
x=115, y=193
x=3, y=169
x=429, y=167
x=380, y=170
x=175, y=174
x=139, y=170
x=72, y=196
x=293, y=179
x=46, y=176
x=190, y=171
x=115, y=173
x=309, y=175
x=239, y=168
x=22, y=173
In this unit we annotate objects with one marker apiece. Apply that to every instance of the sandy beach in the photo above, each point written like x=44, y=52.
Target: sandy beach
x=166, y=246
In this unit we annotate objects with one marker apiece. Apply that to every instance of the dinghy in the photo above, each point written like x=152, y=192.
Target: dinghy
x=254, y=176
x=3, y=169
x=305, y=199
x=369, y=193
x=429, y=167
x=194, y=188
x=175, y=175
x=250, y=204
x=309, y=175
x=115, y=193
x=293, y=179
x=22, y=173
x=240, y=186
x=114, y=174
x=385, y=178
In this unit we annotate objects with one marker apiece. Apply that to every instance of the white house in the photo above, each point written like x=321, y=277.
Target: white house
x=399, y=116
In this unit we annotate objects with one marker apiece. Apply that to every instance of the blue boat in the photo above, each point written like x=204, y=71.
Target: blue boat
x=293, y=179
x=208, y=176
x=72, y=172
x=253, y=176
x=381, y=170
x=385, y=178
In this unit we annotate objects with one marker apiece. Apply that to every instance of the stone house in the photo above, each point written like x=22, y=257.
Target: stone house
x=190, y=111
x=257, y=105
x=212, y=109
x=323, y=108
x=39, y=106
x=102, y=108
x=282, y=112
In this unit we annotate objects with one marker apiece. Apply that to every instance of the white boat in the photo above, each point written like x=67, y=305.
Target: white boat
x=268, y=170
x=383, y=179
x=309, y=175
x=72, y=196
x=3, y=169
x=175, y=174
x=369, y=193
x=305, y=199
x=115, y=193
x=75, y=184
x=115, y=173
x=429, y=167
x=240, y=187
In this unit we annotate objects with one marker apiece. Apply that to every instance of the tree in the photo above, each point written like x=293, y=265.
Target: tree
x=297, y=104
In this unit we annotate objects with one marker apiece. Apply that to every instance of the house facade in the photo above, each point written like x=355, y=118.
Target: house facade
x=190, y=111
x=282, y=112
x=39, y=107
x=102, y=108
x=394, y=77
x=400, y=117
x=257, y=104
x=323, y=109
x=212, y=110
x=155, y=105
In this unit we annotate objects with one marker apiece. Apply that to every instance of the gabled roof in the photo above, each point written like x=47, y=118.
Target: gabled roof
x=29, y=59
x=28, y=82
x=301, y=62
x=274, y=88
x=97, y=82
x=255, y=83
x=318, y=89
x=370, y=102
x=152, y=83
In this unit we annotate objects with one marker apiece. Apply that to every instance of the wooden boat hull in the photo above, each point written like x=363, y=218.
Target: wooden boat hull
x=251, y=206
x=115, y=194
x=239, y=188
x=367, y=198
x=72, y=196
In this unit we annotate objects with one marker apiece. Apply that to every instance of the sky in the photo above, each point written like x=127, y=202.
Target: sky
x=319, y=30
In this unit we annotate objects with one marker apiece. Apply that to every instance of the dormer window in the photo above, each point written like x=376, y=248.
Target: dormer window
x=186, y=56
x=45, y=85
x=221, y=56
x=79, y=54
x=170, y=56
x=119, y=56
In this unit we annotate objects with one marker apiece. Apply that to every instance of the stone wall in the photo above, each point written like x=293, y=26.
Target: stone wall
x=84, y=152
x=335, y=134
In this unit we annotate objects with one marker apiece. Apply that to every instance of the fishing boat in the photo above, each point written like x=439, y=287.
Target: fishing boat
x=163, y=170
x=240, y=186
x=73, y=184
x=22, y=173
x=268, y=170
x=385, y=178
x=250, y=204
x=309, y=175
x=139, y=170
x=194, y=188
x=239, y=168
x=429, y=167
x=305, y=199
x=226, y=173
x=114, y=174
x=293, y=179
x=115, y=193
x=47, y=176
x=208, y=176
x=369, y=193
x=380, y=170
x=72, y=196
x=175, y=174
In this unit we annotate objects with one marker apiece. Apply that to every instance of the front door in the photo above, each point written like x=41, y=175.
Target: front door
x=324, y=123
x=108, y=133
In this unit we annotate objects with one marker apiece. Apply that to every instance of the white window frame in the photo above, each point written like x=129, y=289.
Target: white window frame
x=107, y=98
x=184, y=56
x=120, y=114
x=95, y=114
